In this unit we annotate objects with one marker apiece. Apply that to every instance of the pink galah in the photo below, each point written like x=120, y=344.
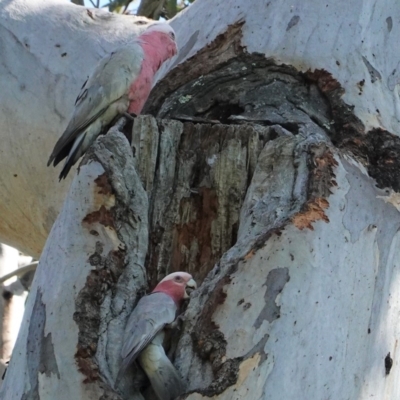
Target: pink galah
x=120, y=83
x=144, y=334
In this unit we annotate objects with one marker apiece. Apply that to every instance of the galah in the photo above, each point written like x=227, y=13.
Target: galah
x=120, y=83
x=144, y=334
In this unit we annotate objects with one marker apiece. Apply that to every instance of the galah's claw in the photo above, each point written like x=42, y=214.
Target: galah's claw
x=130, y=116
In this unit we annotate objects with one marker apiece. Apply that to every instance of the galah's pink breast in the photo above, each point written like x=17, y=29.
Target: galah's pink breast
x=157, y=48
x=140, y=89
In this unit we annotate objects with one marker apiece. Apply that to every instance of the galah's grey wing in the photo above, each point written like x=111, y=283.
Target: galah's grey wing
x=151, y=314
x=108, y=83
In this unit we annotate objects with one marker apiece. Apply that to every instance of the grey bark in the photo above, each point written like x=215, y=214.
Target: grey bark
x=114, y=216
x=151, y=8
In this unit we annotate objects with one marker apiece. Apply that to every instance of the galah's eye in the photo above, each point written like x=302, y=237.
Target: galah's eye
x=178, y=278
x=172, y=35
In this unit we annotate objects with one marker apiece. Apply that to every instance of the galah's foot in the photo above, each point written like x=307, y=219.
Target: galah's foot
x=131, y=116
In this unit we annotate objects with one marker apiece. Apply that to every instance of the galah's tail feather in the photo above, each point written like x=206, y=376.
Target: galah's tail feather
x=65, y=142
x=73, y=156
x=165, y=380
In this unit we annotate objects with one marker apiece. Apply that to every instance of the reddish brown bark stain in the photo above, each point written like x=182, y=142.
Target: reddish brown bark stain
x=313, y=211
x=324, y=79
x=102, y=215
x=322, y=179
x=88, y=368
x=104, y=184
x=250, y=254
x=205, y=324
x=203, y=208
x=87, y=315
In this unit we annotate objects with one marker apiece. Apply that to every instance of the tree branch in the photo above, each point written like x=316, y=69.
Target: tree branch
x=20, y=271
x=151, y=8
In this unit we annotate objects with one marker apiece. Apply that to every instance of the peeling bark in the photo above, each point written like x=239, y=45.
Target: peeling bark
x=289, y=34
x=40, y=350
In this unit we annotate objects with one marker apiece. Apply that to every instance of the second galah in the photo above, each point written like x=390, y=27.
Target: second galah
x=144, y=334
x=120, y=83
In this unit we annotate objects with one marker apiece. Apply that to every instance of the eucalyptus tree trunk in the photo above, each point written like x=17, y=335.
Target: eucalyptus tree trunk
x=268, y=170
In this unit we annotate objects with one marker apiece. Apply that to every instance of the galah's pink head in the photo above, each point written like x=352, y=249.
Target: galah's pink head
x=176, y=285
x=161, y=37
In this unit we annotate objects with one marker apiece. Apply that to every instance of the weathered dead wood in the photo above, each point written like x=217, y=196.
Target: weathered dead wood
x=221, y=187
x=197, y=190
x=225, y=83
x=197, y=187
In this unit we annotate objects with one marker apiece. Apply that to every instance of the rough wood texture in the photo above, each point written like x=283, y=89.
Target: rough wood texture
x=315, y=35
x=302, y=227
x=196, y=192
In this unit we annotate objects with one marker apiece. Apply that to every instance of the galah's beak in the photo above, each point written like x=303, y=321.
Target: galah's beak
x=190, y=286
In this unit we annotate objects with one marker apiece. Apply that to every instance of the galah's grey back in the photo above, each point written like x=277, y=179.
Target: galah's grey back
x=104, y=94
